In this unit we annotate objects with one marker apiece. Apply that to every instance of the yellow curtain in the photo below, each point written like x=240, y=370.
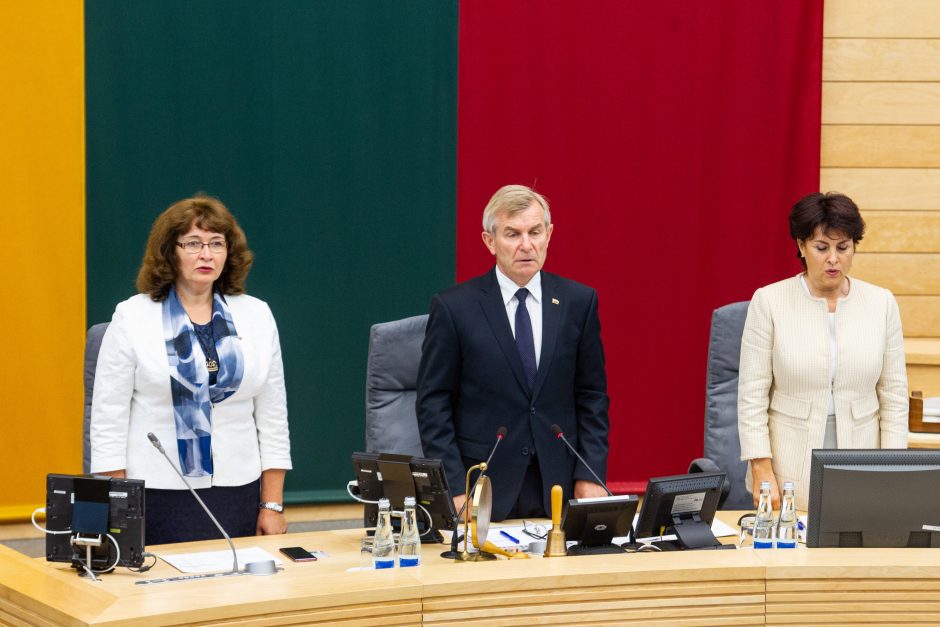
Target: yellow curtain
x=42, y=247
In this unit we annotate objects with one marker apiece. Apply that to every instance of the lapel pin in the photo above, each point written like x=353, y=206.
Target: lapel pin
x=555, y=301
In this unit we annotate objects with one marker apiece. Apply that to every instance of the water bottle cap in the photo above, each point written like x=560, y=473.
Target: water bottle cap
x=764, y=485
x=787, y=485
x=384, y=504
x=409, y=501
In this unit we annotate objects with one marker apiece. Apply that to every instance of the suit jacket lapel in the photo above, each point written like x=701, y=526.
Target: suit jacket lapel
x=495, y=311
x=551, y=318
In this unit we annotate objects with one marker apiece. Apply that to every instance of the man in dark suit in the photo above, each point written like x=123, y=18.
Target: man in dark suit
x=520, y=348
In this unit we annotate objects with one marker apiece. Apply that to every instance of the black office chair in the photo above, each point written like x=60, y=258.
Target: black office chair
x=391, y=382
x=722, y=446
x=92, y=346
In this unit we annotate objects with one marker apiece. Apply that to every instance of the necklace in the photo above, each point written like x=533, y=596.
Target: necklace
x=205, y=342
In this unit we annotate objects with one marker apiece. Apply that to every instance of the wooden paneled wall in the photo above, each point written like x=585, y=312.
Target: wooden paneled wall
x=881, y=146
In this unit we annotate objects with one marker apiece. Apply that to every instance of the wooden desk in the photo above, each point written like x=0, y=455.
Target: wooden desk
x=852, y=586
x=707, y=588
x=742, y=587
x=319, y=592
x=923, y=440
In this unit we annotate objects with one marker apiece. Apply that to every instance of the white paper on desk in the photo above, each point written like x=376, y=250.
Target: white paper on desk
x=516, y=531
x=719, y=529
x=722, y=530
x=214, y=561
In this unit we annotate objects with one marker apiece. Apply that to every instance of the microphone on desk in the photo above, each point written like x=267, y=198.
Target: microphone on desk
x=561, y=436
x=455, y=537
x=500, y=434
x=156, y=443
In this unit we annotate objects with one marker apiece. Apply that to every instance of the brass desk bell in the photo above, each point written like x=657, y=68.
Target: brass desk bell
x=477, y=522
x=556, y=547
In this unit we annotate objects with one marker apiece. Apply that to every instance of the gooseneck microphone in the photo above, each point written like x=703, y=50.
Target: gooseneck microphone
x=455, y=537
x=156, y=443
x=500, y=434
x=561, y=436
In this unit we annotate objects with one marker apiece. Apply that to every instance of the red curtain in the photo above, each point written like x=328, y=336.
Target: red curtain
x=671, y=139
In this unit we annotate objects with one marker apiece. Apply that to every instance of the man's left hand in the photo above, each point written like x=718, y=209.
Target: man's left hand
x=270, y=523
x=588, y=489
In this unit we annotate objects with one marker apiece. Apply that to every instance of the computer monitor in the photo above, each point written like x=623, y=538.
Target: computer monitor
x=683, y=505
x=91, y=506
x=874, y=498
x=594, y=522
x=396, y=476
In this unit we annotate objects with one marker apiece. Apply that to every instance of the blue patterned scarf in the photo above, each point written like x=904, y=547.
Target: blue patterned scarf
x=193, y=397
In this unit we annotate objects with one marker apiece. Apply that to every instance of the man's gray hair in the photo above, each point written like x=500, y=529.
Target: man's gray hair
x=512, y=199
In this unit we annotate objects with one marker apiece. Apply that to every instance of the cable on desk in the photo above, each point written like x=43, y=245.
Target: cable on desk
x=356, y=497
x=42, y=510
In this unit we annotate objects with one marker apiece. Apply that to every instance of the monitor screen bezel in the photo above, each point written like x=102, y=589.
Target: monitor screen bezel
x=366, y=467
x=661, y=491
x=126, y=519
x=821, y=458
x=615, y=512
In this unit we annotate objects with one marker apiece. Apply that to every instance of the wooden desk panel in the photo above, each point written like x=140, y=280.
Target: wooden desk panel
x=722, y=588
x=304, y=593
x=923, y=440
x=853, y=586
x=743, y=587
x=32, y=593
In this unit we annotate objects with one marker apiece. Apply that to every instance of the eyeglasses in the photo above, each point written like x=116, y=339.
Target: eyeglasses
x=534, y=531
x=194, y=246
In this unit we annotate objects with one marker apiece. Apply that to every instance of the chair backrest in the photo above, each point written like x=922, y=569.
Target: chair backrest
x=721, y=401
x=391, y=380
x=92, y=346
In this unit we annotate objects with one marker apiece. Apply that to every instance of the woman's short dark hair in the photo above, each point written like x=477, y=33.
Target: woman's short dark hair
x=158, y=270
x=834, y=214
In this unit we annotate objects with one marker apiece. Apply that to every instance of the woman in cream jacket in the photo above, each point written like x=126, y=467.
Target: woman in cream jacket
x=822, y=356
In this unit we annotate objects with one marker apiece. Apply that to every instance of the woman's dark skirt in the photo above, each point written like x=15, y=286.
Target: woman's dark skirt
x=176, y=516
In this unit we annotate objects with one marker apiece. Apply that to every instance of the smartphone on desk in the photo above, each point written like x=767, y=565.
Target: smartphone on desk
x=298, y=554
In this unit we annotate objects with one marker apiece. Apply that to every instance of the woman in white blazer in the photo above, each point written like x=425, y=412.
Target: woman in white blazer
x=196, y=362
x=822, y=356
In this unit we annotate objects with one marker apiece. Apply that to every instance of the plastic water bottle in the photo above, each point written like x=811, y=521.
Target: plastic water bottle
x=409, y=545
x=786, y=524
x=383, y=548
x=764, y=523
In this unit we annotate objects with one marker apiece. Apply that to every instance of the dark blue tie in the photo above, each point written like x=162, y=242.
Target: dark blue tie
x=524, y=340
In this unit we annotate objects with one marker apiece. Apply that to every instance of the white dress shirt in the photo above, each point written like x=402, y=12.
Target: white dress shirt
x=533, y=303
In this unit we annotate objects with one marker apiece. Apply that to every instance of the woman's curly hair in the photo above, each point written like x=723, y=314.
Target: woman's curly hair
x=158, y=271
